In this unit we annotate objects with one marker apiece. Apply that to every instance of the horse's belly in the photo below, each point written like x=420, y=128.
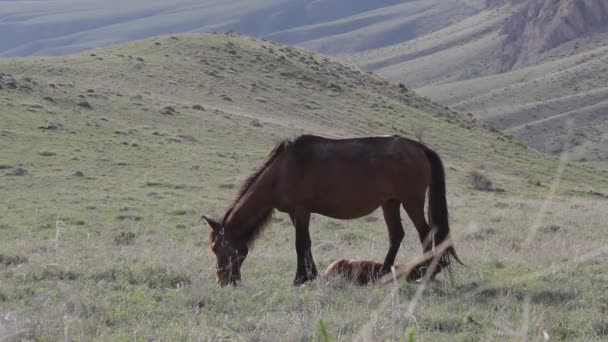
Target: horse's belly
x=350, y=200
x=344, y=215
x=346, y=209
x=347, y=195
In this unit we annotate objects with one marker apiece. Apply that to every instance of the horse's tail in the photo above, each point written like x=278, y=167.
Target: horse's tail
x=438, y=210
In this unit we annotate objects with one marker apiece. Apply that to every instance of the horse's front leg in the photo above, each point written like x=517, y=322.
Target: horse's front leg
x=307, y=270
x=392, y=218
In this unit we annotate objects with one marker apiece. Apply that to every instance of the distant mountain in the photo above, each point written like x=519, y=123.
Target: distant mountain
x=527, y=66
x=57, y=27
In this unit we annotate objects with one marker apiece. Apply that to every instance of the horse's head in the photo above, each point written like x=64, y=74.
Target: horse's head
x=229, y=254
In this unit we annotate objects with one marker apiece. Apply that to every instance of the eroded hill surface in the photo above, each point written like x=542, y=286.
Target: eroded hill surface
x=529, y=67
x=542, y=25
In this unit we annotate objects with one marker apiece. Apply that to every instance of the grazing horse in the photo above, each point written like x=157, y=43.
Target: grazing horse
x=342, y=179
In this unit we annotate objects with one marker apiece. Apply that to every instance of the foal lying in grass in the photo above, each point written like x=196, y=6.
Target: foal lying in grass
x=364, y=272
x=361, y=272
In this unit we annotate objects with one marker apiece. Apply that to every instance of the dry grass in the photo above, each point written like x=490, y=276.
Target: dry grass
x=109, y=292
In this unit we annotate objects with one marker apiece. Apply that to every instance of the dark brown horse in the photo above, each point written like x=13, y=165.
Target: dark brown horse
x=342, y=179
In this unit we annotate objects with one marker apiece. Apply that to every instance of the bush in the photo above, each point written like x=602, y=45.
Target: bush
x=124, y=238
x=12, y=260
x=480, y=182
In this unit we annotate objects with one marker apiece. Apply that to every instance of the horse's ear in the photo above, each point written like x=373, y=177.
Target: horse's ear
x=213, y=224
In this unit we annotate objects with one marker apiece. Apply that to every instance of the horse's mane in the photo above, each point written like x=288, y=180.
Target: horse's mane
x=255, y=230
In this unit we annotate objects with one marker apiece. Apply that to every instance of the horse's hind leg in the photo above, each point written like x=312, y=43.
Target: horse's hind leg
x=415, y=210
x=392, y=218
x=307, y=270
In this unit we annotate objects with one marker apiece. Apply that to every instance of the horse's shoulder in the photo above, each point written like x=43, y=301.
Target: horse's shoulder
x=306, y=139
x=305, y=143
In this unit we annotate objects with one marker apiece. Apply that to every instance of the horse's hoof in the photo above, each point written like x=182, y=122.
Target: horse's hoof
x=415, y=276
x=301, y=280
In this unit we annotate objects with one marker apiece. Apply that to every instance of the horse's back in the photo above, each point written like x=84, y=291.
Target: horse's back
x=348, y=178
x=369, y=157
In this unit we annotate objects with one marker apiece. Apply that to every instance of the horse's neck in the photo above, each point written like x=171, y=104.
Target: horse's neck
x=248, y=209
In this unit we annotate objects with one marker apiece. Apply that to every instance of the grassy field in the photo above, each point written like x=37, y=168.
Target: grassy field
x=108, y=158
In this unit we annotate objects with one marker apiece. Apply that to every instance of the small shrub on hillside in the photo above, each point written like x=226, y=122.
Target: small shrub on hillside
x=11, y=260
x=129, y=217
x=55, y=273
x=85, y=105
x=552, y=228
x=17, y=172
x=124, y=238
x=168, y=110
x=597, y=194
x=349, y=237
x=480, y=182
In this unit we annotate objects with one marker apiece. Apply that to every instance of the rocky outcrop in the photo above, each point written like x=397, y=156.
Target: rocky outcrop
x=541, y=25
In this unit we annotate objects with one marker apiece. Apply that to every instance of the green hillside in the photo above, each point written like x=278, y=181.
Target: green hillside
x=442, y=48
x=109, y=157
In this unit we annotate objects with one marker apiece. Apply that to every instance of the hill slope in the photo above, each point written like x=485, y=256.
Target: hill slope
x=425, y=43
x=279, y=87
x=537, y=103
x=109, y=157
